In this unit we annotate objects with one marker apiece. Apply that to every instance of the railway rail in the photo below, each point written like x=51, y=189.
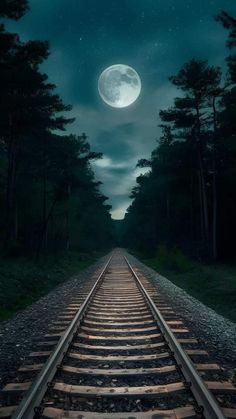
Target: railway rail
x=119, y=351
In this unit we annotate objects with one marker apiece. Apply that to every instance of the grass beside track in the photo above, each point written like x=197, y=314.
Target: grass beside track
x=213, y=285
x=22, y=281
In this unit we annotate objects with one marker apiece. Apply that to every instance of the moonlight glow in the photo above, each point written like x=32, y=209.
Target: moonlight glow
x=119, y=85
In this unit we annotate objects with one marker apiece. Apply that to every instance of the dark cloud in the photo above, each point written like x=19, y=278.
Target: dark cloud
x=119, y=171
x=115, y=142
x=156, y=37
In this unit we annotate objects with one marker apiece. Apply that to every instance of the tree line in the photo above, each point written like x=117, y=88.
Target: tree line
x=188, y=197
x=49, y=198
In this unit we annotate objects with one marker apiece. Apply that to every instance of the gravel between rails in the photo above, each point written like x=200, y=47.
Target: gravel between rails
x=216, y=333
x=19, y=335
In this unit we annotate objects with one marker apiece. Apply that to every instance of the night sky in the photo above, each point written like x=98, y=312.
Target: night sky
x=155, y=37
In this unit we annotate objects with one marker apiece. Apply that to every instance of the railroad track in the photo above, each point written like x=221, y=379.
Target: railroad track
x=119, y=352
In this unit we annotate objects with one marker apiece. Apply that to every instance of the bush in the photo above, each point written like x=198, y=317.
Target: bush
x=22, y=281
x=163, y=257
x=182, y=262
x=173, y=259
x=15, y=249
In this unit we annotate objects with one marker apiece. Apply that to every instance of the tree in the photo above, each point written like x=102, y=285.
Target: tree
x=200, y=83
x=181, y=187
x=13, y=9
x=45, y=176
x=227, y=133
x=188, y=198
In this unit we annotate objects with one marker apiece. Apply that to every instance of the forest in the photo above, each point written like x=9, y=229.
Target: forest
x=187, y=199
x=49, y=198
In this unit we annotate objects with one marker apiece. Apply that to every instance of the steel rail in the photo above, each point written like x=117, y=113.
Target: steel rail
x=203, y=396
x=32, y=399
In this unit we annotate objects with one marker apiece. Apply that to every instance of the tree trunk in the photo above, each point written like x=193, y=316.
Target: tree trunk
x=67, y=231
x=16, y=222
x=202, y=178
x=11, y=231
x=192, y=208
x=68, y=218
x=201, y=207
x=44, y=215
x=214, y=221
x=167, y=205
x=44, y=229
x=204, y=203
x=214, y=187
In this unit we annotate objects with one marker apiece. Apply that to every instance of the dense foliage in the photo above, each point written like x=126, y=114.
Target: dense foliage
x=188, y=198
x=49, y=199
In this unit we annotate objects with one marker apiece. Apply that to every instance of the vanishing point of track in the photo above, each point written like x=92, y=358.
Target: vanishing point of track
x=114, y=353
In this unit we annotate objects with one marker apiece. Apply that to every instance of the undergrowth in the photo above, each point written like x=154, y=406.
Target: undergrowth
x=22, y=281
x=212, y=284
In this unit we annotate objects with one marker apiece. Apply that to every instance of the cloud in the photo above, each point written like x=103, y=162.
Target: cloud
x=129, y=135
x=118, y=180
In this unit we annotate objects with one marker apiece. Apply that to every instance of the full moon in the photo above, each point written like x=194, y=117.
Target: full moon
x=119, y=85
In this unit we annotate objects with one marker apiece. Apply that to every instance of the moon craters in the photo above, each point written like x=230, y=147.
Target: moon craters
x=119, y=85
